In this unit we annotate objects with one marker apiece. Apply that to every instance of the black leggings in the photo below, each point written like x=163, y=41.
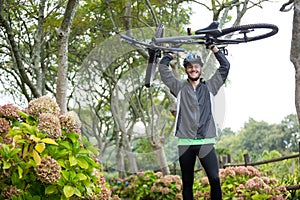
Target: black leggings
x=209, y=161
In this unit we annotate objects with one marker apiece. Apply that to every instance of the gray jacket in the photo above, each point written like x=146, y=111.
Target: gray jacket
x=194, y=115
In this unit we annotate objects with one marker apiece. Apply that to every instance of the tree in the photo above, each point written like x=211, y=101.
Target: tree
x=295, y=48
x=63, y=41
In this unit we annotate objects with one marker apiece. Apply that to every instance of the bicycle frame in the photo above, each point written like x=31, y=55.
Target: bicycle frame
x=221, y=38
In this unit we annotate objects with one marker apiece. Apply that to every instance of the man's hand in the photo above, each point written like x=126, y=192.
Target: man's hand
x=154, y=51
x=209, y=43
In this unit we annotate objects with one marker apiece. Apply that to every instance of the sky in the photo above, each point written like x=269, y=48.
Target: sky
x=261, y=79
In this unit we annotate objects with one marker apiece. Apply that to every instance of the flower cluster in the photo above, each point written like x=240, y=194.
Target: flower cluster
x=10, y=191
x=70, y=122
x=9, y=111
x=48, y=171
x=49, y=124
x=43, y=104
x=4, y=126
x=163, y=184
x=105, y=193
x=240, y=170
x=242, y=182
x=148, y=185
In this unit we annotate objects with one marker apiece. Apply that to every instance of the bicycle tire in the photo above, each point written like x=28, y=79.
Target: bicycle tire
x=250, y=32
x=153, y=58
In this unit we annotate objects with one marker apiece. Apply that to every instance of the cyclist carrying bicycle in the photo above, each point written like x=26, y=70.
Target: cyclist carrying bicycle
x=195, y=126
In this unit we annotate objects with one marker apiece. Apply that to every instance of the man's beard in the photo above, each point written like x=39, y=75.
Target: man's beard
x=193, y=79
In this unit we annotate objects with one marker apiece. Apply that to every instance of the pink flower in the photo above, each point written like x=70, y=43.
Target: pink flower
x=49, y=124
x=43, y=104
x=240, y=187
x=178, y=196
x=253, y=171
x=158, y=174
x=9, y=111
x=242, y=170
x=204, y=180
x=4, y=126
x=230, y=171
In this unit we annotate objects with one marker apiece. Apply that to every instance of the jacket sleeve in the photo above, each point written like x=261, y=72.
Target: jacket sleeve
x=220, y=76
x=167, y=75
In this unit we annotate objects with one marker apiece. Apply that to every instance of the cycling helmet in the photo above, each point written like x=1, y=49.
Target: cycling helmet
x=192, y=58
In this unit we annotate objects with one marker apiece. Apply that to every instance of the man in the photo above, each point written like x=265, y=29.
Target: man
x=195, y=125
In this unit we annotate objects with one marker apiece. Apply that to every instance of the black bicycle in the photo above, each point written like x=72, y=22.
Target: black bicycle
x=220, y=37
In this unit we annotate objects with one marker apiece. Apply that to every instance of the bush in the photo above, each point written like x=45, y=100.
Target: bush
x=242, y=183
x=42, y=155
x=148, y=186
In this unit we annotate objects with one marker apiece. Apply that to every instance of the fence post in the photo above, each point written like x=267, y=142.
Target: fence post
x=174, y=168
x=228, y=158
x=246, y=159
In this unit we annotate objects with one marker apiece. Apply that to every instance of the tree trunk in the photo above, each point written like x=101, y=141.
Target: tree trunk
x=37, y=52
x=160, y=153
x=133, y=168
x=295, y=54
x=120, y=163
x=63, y=35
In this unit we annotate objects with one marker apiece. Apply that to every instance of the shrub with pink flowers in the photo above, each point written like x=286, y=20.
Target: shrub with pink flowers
x=42, y=155
x=242, y=183
x=148, y=186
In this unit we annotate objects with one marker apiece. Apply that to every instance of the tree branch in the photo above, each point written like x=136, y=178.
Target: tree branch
x=16, y=53
x=283, y=7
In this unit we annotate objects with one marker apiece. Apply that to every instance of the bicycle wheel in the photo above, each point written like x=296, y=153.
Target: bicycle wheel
x=246, y=33
x=154, y=55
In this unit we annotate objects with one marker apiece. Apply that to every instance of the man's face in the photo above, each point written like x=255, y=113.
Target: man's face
x=193, y=71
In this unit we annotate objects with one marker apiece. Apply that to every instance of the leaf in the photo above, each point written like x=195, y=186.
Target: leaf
x=30, y=164
x=14, y=152
x=82, y=163
x=77, y=192
x=17, y=138
x=40, y=147
x=72, y=160
x=20, y=171
x=73, y=136
x=66, y=144
x=35, y=139
x=36, y=157
x=22, y=114
x=50, y=189
x=49, y=141
x=84, y=151
x=68, y=191
x=61, y=162
x=25, y=150
x=81, y=177
x=65, y=174
x=6, y=165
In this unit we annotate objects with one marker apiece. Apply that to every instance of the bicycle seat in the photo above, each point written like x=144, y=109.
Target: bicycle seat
x=212, y=29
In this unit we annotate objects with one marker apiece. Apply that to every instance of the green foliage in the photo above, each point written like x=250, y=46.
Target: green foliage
x=148, y=185
x=36, y=166
x=256, y=137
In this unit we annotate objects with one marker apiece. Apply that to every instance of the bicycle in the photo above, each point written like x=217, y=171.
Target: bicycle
x=220, y=37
